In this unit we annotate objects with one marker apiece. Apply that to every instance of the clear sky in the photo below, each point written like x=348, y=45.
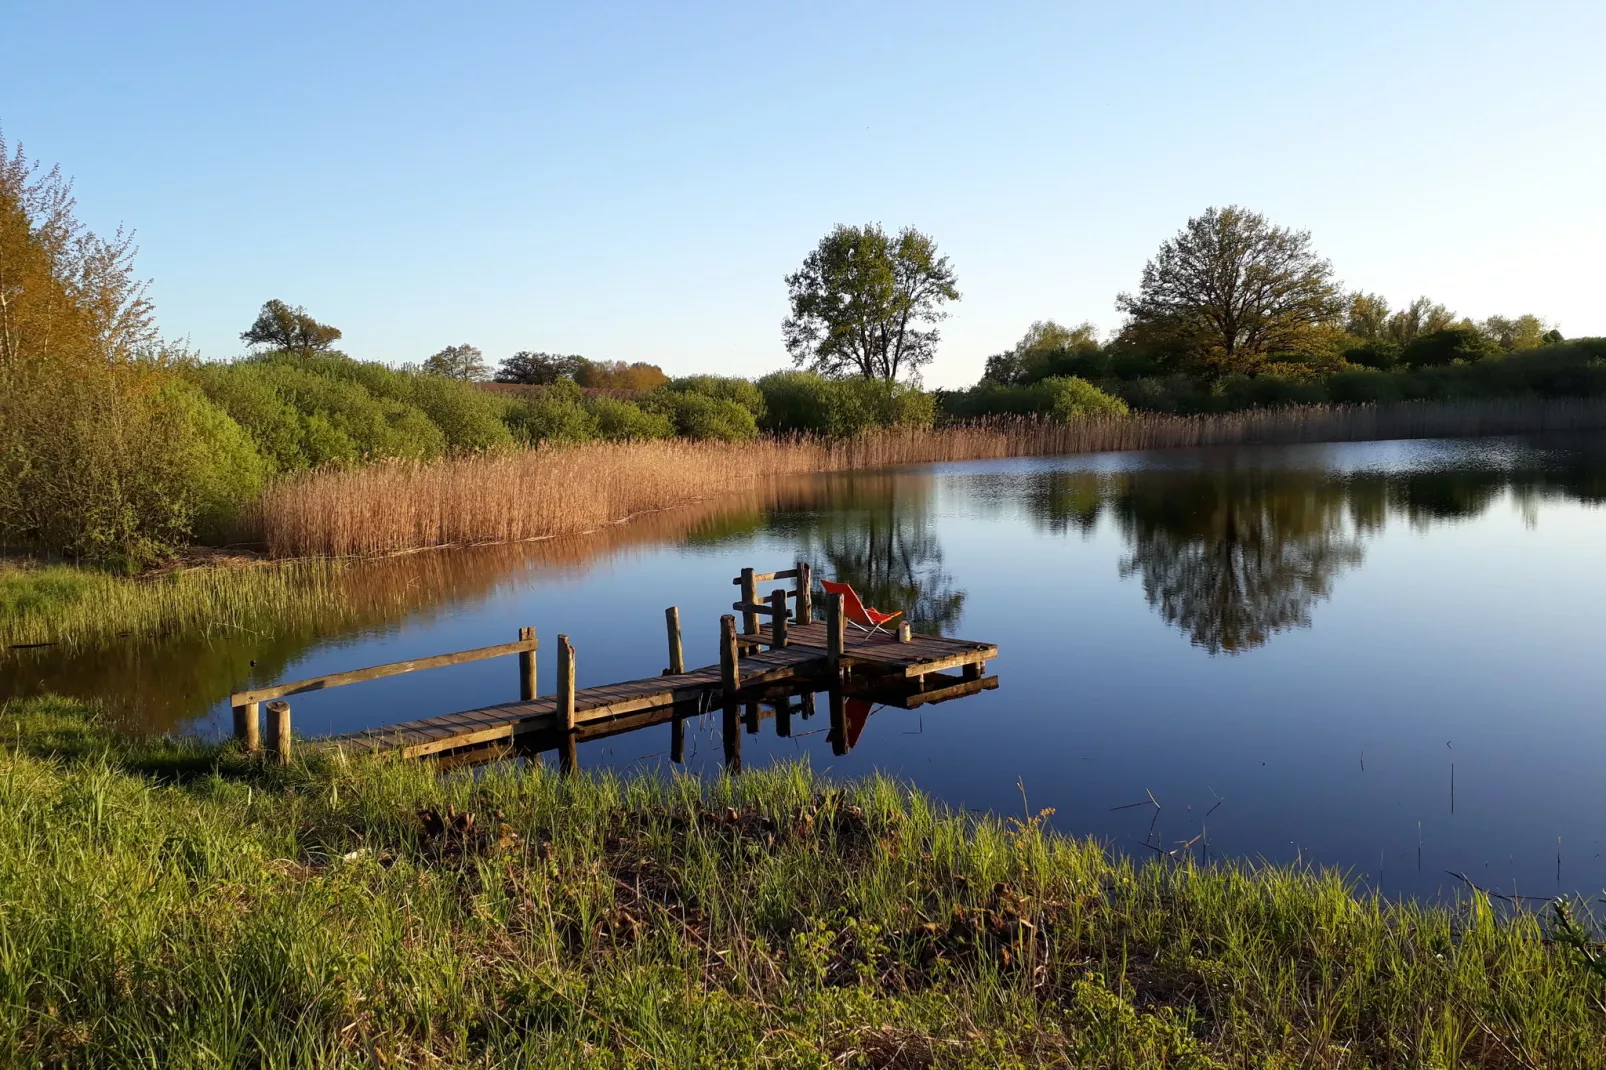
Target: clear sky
x=632, y=181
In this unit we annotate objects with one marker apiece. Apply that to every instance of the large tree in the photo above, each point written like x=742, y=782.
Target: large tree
x=463, y=362
x=863, y=303
x=1231, y=289
x=539, y=369
x=278, y=326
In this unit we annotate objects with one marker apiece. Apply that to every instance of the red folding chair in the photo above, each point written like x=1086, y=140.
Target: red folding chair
x=867, y=620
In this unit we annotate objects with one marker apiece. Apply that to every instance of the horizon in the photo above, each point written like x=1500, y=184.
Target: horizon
x=632, y=184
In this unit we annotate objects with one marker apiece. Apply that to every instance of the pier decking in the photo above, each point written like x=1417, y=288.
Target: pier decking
x=757, y=663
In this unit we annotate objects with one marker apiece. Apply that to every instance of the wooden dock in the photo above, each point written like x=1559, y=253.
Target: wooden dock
x=788, y=655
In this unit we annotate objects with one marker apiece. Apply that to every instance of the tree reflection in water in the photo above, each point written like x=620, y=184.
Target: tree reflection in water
x=877, y=533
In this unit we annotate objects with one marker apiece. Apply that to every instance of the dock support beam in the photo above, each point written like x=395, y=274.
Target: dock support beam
x=805, y=593
x=677, y=739
x=731, y=728
x=777, y=619
x=750, y=596
x=677, y=657
x=730, y=669
x=248, y=726
x=835, y=637
x=527, y=688
x=565, y=704
x=279, y=732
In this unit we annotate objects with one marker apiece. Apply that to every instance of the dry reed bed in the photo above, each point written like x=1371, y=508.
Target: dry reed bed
x=536, y=494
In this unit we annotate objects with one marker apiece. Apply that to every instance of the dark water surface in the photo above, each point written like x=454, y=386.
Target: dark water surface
x=1296, y=650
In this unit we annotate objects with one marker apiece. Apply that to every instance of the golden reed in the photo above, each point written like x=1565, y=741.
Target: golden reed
x=536, y=494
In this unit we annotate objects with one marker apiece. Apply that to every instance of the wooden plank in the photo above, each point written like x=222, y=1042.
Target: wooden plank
x=765, y=577
x=374, y=672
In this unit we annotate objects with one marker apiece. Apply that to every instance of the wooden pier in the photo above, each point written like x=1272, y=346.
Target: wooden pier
x=760, y=661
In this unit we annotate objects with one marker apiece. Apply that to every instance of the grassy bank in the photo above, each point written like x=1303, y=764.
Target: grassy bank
x=539, y=494
x=167, y=903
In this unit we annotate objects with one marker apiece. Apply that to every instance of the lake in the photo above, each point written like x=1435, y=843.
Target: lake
x=1385, y=657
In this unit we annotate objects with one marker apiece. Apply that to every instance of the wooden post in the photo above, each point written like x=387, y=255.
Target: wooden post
x=835, y=638
x=248, y=726
x=973, y=671
x=808, y=704
x=839, y=723
x=750, y=596
x=777, y=618
x=730, y=669
x=565, y=705
x=279, y=731
x=732, y=730
x=783, y=717
x=677, y=739
x=903, y=631
x=805, y=593
x=527, y=690
x=677, y=658
x=568, y=755
x=751, y=719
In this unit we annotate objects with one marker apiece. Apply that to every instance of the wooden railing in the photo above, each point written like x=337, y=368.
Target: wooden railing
x=247, y=704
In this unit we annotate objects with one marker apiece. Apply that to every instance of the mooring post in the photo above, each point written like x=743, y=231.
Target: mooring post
x=730, y=670
x=731, y=729
x=903, y=631
x=565, y=704
x=527, y=690
x=677, y=658
x=777, y=618
x=839, y=723
x=677, y=739
x=805, y=593
x=750, y=596
x=835, y=638
x=248, y=726
x=279, y=732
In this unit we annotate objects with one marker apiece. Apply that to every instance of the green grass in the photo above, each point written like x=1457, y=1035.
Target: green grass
x=72, y=604
x=171, y=903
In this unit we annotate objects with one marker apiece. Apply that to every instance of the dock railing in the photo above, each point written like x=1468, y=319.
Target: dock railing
x=247, y=704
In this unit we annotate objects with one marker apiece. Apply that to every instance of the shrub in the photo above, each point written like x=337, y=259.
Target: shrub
x=469, y=419
x=701, y=417
x=804, y=402
x=1449, y=345
x=556, y=416
x=728, y=388
x=619, y=420
x=1063, y=399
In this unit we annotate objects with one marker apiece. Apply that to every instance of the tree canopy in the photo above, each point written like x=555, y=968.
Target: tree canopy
x=539, y=369
x=278, y=326
x=863, y=303
x=1231, y=289
x=463, y=362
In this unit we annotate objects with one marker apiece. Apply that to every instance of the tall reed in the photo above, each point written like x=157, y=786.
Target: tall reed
x=509, y=497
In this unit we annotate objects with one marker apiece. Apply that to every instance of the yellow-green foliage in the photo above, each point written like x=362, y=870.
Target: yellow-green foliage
x=171, y=903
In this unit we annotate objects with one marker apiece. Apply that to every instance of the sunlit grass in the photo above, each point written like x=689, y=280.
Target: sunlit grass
x=70, y=604
x=172, y=903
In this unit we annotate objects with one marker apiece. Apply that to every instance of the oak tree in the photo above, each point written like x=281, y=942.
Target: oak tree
x=463, y=362
x=278, y=326
x=1230, y=289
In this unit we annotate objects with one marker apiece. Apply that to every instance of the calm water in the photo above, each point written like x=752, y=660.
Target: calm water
x=1385, y=657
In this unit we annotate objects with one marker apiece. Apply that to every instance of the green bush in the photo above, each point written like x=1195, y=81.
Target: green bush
x=1063, y=399
x=702, y=417
x=1448, y=346
x=326, y=418
x=727, y=388
x=623, y=421
x=556, y=416
x=469, y=419
x=803, y=402
x=213, y=467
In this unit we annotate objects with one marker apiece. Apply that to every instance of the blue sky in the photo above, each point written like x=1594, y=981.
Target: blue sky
x=632, y=181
